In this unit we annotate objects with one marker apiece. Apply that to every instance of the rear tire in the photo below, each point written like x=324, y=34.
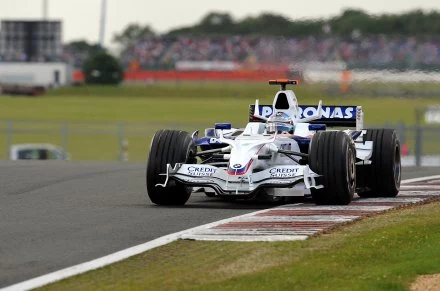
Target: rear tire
x=384, y=174
x=332, y=154
x=168, y=147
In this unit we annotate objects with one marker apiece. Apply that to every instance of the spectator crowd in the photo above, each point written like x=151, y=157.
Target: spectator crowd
x=162, y=52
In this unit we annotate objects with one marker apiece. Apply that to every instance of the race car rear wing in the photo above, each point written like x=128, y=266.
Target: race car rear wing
x=344, y=116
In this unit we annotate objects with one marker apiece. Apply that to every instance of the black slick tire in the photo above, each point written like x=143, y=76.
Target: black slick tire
x=332, y=155
x=383, y=176
x=168, y=147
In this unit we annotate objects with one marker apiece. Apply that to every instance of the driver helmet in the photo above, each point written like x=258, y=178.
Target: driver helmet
x=281, y=122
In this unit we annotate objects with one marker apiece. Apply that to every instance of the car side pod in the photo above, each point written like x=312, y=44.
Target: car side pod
x=364, y=151
x=309, y=179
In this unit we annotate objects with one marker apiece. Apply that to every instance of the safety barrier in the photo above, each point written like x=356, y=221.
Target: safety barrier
x=265, y=75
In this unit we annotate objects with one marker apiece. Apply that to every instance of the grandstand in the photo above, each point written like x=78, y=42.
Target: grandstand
x=164, y=52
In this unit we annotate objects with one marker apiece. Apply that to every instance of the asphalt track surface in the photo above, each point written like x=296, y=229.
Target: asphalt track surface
x=57, y=214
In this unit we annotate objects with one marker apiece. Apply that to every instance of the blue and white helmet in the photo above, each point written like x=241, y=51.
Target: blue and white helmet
x=280, y=122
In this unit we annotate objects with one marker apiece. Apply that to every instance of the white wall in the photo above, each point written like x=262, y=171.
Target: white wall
x=206, y=66
x=380, y=76
x=34, y=74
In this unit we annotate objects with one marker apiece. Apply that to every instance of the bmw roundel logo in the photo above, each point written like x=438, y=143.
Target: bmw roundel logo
x=237, y=166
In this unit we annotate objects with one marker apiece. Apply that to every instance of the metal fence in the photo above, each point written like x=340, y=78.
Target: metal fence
x=420, y=144
x=85, y=140
x=131, y=141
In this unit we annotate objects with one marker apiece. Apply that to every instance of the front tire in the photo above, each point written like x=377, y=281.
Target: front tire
x=168, y=147
x=332, y=154
x=383, y=176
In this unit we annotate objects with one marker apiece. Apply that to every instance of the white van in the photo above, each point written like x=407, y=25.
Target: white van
x=37, y=152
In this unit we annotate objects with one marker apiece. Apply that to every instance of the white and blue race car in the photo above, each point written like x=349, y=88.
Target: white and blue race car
x=284, y=151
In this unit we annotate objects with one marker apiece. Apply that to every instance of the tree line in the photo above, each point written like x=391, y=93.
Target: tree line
x=350, y=23
x=415, y=22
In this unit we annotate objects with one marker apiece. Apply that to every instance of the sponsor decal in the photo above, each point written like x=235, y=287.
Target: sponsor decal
x=239, y=169
x=243, y=179
x=197, y=181
x=328, y=112
x=201, y=171
x=283, y=172
x=266, y=111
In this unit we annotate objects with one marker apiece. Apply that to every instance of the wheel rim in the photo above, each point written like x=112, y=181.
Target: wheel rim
x=397, y=166
x=351, y=166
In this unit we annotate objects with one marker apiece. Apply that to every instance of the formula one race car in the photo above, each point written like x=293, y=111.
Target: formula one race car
x=283, y=151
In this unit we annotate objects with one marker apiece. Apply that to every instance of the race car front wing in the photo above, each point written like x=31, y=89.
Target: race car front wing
x=284, y=176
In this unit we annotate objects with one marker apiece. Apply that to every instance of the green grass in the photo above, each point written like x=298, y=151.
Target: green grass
x=187, y=105
x=386, y=252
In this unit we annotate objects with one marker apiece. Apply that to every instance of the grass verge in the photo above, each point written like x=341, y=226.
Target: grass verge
x=386, y=252
x=188, y=103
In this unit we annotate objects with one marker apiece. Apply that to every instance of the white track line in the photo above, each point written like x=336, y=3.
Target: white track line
x=407, y=181
x=127, y=253
x=418, y=192
x=419, y=187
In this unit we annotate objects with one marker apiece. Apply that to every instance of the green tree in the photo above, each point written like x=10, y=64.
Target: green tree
x=270, y=24
x=212, y=23
x=414, y=22
x=131, y=34
x=216, y=22
x=351, y=20
x=83, y=46
x=102, y=68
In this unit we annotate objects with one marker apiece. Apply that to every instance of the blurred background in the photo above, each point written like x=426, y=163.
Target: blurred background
x=93, y=80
